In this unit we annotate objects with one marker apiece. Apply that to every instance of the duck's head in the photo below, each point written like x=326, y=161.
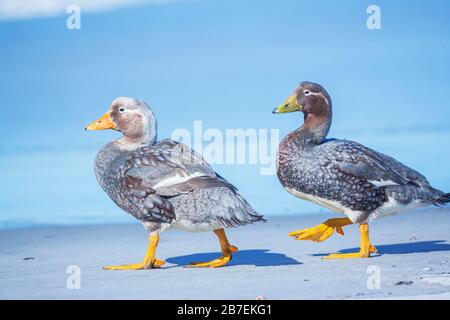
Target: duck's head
x=309, y=98
x=132, y=117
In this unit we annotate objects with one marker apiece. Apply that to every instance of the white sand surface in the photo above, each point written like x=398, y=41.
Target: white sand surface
x=414, y=262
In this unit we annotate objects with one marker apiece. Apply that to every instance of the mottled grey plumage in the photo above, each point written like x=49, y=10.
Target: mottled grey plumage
x=345, y=175
x=166, y=184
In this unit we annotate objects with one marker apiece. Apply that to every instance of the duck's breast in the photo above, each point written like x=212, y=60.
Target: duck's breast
x=300, y=170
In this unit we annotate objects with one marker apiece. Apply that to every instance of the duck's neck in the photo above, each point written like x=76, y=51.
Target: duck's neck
x=313, y=131
x=128, y=144
x=134, y=139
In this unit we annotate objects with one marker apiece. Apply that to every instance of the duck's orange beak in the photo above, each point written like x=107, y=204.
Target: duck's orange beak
x=103, y=123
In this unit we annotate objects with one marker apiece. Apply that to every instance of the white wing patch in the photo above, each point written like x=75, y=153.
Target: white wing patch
x=383, y=183
x=176, y=180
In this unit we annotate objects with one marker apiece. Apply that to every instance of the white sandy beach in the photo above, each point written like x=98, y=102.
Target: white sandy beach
x=414, y=262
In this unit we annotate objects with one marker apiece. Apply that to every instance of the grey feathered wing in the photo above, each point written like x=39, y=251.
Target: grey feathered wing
x=380, y=172
x=357, y=160
x=150, y=168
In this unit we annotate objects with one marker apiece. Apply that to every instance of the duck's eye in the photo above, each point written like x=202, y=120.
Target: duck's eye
x=307, y=92
x=122, y=109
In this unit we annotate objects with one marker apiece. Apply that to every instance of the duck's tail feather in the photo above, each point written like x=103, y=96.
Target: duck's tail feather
x=441, y=199
x=239, y=213
x=444, y=199
x=422, y=195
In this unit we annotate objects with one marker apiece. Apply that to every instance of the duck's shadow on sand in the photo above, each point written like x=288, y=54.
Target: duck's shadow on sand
x=258, y=258
x=405, y=248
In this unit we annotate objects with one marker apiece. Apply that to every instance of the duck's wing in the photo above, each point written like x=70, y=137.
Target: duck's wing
x=145, y=204
x=157, y=173
x=352, y=158
x=169, y=168
x=166, y=158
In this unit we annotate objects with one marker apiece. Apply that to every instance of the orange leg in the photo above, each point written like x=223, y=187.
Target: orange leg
x=366, y=247
x=227, y=250
x=150, y=261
